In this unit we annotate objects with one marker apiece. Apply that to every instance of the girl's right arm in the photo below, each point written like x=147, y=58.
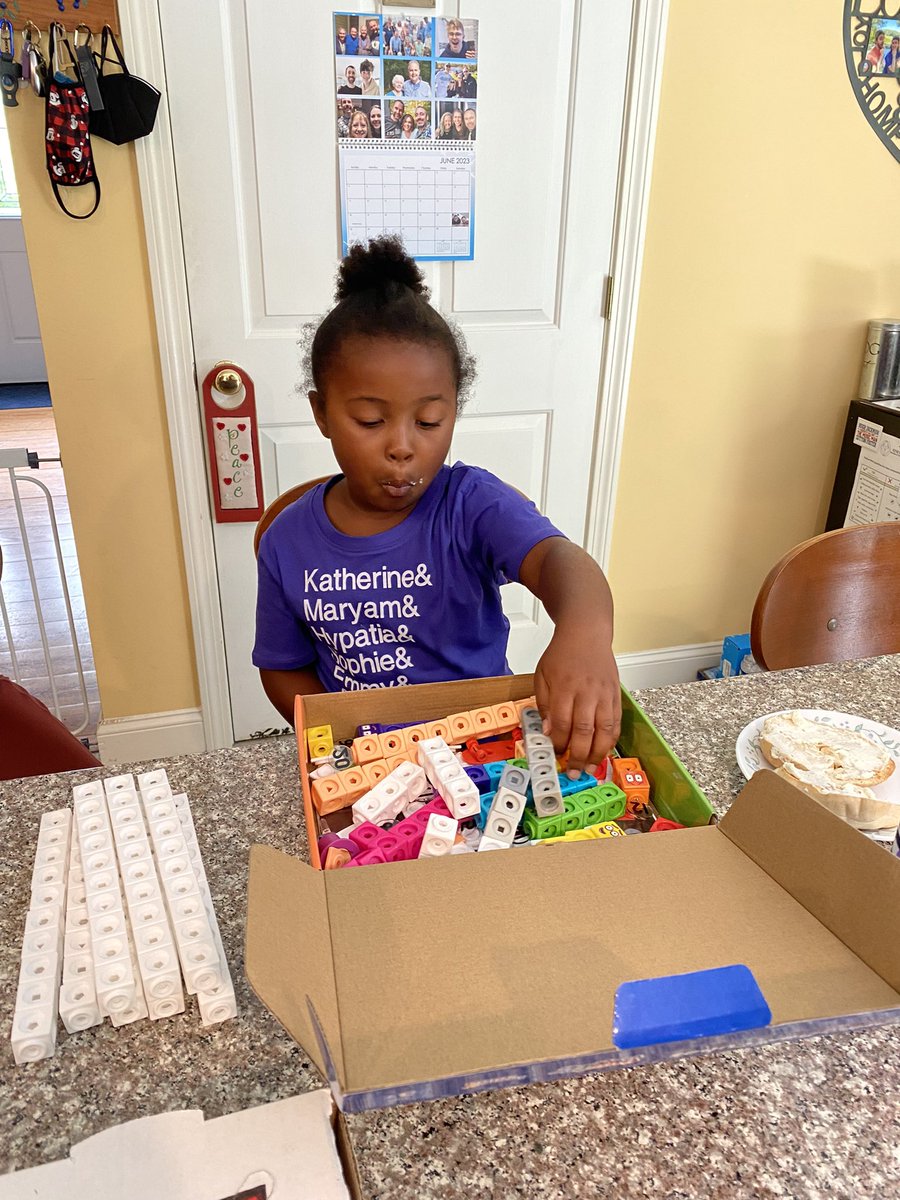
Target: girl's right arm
x=283, y=686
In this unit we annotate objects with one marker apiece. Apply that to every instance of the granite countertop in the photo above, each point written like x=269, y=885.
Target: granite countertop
x=812, y=1118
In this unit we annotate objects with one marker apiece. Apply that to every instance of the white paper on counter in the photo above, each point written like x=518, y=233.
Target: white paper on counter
x=181, y=1156
x=876, y=488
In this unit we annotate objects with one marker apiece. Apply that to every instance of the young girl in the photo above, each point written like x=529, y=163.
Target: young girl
x=390, y=572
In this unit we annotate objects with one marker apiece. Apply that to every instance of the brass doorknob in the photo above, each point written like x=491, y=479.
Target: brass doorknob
x=228, y=382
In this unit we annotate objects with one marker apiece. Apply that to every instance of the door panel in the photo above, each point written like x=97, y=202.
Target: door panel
x=257, y=174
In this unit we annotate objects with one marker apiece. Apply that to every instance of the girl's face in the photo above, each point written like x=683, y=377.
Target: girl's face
x=359, y=126
x=407, y=124
x=457, y=121
x=388, y=409
x=446, y=123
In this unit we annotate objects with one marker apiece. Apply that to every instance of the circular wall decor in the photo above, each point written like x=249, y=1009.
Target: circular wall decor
x=872, y=54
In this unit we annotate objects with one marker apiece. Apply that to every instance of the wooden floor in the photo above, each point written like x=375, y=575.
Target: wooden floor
x=35, y=429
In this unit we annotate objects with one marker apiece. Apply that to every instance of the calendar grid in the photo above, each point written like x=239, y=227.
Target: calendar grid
x=424, y=195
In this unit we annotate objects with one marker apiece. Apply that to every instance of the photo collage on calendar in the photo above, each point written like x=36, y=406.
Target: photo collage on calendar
x=405, y=78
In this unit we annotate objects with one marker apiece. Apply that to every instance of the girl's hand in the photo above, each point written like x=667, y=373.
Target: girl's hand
x=576, y=686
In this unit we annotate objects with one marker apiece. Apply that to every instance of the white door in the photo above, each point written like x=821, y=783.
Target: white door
x=251, y=104
x=21, y=353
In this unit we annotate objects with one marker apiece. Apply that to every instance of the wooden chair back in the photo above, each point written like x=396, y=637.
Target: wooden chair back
x=832, y=598
x=281, y=502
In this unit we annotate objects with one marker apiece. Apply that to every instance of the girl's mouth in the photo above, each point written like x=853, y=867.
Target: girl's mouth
x=398, y=488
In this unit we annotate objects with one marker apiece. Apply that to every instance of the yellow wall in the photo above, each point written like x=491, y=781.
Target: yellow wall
x=93, y=296
x=770, y=243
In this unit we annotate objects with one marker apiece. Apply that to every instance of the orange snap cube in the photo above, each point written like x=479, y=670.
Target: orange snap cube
x=366, y=749
x=439, y=729
x=335, y=857
x=484, y=721
x=375, y=771
x=506, y=718
x=628, y=774
x=355, y=783
x=462, y=727
x=329, y=793
x=392, y=743
x=413, y=734
x=395, y=761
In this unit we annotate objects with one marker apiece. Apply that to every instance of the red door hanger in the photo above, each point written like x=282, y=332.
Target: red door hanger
x=229, y=416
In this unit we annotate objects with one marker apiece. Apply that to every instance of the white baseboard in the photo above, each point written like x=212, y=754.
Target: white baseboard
x=669, y=664
x=151, y=735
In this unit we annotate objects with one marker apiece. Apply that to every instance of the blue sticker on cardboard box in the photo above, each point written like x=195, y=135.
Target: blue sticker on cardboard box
x=675, y=1008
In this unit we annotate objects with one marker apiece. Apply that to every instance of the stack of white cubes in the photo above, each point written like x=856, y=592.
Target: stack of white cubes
x=447, y=777
x=124, y=920
x=34, y=1020
x=393, y=794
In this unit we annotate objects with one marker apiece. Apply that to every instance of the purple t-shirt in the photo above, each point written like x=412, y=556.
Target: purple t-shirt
x=419, y=603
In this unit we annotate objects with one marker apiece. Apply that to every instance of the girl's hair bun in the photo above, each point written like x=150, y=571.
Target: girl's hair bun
x=376, y=266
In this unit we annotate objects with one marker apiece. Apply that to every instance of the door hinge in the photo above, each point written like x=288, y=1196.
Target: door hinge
x=608, y=298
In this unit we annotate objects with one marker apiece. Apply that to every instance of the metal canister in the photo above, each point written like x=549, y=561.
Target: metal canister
x=880, y=376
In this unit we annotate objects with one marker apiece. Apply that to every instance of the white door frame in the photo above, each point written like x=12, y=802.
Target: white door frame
x=159, y=194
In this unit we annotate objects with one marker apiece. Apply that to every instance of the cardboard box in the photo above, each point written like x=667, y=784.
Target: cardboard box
x=734, y=650
x=301, y=1141
x=674, y=793
x=430, y=978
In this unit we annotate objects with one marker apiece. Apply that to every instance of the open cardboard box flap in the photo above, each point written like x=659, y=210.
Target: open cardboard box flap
x=436, y=977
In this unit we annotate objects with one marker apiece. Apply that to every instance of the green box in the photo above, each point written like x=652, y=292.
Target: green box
x=673, y=793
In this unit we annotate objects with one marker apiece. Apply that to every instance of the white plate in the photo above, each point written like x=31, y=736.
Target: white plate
x=750, y=757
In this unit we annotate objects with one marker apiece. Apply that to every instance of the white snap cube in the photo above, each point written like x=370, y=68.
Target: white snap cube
x=104, y=901
x=76, y=918
x=78, y=966
x=46, y=917
x=168, y=1006
x=95, y=842
x=159, y=972
x=148, y=912
x=186, y=908
x=217, y=1004
x=118, y=783
x=149, y=937
x=78, y=1005
x=44, y=895
x=88, y=791
x=34, y=1033
x=440, y=833
x=42, y=941
x=108, y=924
x=429, y=746
x=499, y=827
x=462, y=798
x=38, y=968
x=142, y=891
x=161, y=810
x=35, y=992
x=200, y=966
x=509, y=803
x=490, y=843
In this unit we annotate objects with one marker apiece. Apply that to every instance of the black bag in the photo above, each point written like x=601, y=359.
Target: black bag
x=70, y=161
x=129, y=103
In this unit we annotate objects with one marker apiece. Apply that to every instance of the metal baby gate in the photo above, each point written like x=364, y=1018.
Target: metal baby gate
x=12, y=461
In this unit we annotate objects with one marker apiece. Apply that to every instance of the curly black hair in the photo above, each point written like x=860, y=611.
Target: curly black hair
x=380, y=292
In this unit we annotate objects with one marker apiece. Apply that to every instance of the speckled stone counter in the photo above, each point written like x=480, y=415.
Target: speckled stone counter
x=812, y=1118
